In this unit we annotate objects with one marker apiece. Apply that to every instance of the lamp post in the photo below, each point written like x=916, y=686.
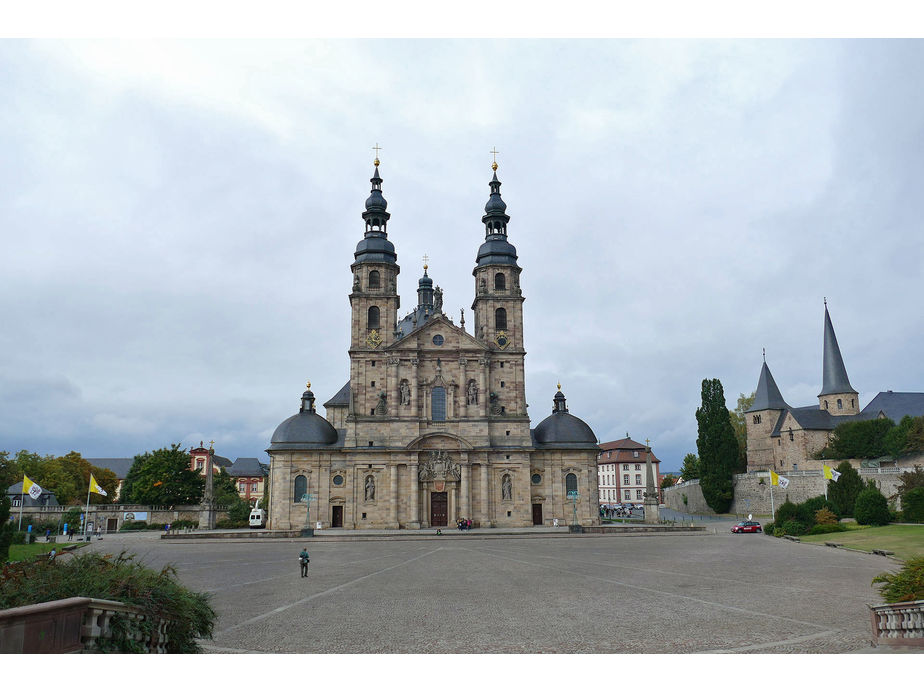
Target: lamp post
x=306, y=499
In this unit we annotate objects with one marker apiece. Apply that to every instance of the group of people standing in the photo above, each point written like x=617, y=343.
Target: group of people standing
x=464, y=524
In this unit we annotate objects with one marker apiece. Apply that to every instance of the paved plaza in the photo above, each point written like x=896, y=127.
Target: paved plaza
x=472, y=594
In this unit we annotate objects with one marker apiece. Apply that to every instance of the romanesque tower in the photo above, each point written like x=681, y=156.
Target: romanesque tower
x=837, y=396
x=374, y=302
x=761, y=420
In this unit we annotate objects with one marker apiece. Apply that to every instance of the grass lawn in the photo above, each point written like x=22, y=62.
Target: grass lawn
x=22, y=552
x=905, y=540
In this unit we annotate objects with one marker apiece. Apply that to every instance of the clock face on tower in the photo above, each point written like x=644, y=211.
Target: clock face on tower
x=501, y=340
x=373, y=339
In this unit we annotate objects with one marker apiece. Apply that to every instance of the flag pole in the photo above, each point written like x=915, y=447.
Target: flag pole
x=772, y=507
x=86, y=514
x=22, y=501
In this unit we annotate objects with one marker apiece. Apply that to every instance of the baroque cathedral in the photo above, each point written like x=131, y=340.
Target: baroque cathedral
x=432, y=426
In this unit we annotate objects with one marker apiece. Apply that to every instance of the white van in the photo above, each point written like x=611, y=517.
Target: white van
x=258, y=518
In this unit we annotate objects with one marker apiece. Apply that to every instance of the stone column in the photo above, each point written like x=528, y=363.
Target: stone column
x=414, y=496
x=394, y=495
x=465, y=488
x=651, y=496
x=483, y=386
x=392, y=382
x=415, y=390
x=463, y=386
x=485, y=493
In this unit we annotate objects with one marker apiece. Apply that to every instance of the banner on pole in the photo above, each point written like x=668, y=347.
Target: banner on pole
x=829, y=473
x=30, y=487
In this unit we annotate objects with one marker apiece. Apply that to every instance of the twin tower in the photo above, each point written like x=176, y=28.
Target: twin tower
x=432, y=425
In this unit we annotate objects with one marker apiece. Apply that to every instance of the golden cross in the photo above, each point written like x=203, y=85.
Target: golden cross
x=647, y=442
x=308, y=385
x=426, y=259
x=211, y=444
x=376, y=148
x=495, y=153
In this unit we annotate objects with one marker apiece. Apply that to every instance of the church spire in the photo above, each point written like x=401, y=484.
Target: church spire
x=496, y=250
x=834, y=374
x=375, y=246
x=768, y=395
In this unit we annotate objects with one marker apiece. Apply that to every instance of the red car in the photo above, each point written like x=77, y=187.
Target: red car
x=746, y=526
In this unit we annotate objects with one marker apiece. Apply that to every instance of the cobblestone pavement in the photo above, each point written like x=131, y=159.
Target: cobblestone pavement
x=619, y=594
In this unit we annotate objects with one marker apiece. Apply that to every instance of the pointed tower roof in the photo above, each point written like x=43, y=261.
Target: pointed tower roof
x=834, y=374
x=768, y=395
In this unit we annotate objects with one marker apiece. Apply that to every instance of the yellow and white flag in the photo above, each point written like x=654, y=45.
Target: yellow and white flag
x=96, y=488
x=777, y=480
x=829, y=473
x=30, y=487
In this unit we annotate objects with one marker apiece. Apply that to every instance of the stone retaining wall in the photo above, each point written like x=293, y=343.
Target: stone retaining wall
x=101, y=514
x=752, y=490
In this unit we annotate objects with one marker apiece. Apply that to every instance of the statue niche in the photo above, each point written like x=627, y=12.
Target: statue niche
x=439, y=467
x=472, y=393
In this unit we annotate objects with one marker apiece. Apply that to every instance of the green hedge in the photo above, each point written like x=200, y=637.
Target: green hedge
x=122, y=579
x=906, y=585
x=827, y=529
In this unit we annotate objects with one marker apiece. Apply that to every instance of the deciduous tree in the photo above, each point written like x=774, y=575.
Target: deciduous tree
x=163, y=477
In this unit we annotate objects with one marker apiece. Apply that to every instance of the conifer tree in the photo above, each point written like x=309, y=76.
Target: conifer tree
x=717, y=447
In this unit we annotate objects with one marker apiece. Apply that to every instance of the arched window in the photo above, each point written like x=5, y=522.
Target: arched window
x=500, y=282
x=840, y=404
x=373, y=321
x=301, y=487
x=374, y=279
x=570, y=484
x=500, y=319
x=438, y=404
x=826, y=404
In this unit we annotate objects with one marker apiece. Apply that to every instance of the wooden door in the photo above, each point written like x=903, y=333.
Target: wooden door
x=112, y=524
x=336, y=517
x=439, y=509
x=537, y=513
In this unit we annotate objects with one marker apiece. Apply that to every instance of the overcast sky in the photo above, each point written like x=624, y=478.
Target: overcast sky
x=179, y=220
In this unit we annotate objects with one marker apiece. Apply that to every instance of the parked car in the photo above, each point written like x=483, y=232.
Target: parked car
x=746, y=526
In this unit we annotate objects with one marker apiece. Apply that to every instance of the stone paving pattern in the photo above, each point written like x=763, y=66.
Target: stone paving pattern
x=593, y=594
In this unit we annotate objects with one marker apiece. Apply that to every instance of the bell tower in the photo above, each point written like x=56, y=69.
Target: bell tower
x=498, y=304
x=374, y=303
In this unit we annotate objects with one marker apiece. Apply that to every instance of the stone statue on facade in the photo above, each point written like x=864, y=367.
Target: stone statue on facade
x=405, y=392
x=482, y=286
x=472, y=392
x=506, y=488
x=437, y=300
x=370, y=488
x=356, y=285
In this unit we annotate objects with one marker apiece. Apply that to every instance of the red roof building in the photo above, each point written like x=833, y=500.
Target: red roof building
x=621, y=471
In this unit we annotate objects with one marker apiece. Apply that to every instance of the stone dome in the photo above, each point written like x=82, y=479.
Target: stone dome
x=306, y=429
x=563, y=428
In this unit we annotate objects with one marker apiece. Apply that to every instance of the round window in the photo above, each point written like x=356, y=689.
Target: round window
x=338, y=480
x=438, y=339
x=537, y=478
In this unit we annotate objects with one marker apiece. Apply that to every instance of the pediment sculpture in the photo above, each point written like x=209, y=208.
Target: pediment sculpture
x=439, y=467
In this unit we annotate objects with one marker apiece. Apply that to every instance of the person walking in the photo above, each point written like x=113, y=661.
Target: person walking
x=303, y=560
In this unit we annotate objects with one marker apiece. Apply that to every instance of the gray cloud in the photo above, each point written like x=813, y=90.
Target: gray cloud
x=179, y=219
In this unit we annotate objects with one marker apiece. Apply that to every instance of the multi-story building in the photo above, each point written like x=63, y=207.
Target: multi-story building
x=432, y=424
x=621, y=471
x=248, y=473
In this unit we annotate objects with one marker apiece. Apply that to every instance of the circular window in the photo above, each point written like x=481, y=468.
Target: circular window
x=537, y=478
x=438, y=339
x=338, y=480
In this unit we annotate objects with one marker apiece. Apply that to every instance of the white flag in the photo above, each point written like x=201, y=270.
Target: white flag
x=30, y=487
x=784, y=482
x=835, y=475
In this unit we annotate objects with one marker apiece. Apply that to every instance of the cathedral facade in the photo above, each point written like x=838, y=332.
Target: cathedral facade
x=432, y=425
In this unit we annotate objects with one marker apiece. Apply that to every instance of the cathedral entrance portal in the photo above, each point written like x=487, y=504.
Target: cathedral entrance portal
x=439, y=509
x=537, y=513
x=336, y=517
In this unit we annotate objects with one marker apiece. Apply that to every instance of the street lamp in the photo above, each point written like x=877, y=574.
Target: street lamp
x=306, y=499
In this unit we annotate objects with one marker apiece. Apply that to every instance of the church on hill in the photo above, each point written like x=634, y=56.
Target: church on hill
x=785, y=438
x=432, y=425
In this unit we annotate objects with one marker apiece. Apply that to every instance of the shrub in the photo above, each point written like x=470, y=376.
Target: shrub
x=793, y=528
x=904, y=586
x=827, y=529
x=825, y=517
x=843, y=492
x=786, y=511
x=6, y=529
x=871, y=507
x=778, y=531
x=768, y=528
x=231, y=524
x=913, y=505
x=813, y=505
x=157, y=593
x=132, y=525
